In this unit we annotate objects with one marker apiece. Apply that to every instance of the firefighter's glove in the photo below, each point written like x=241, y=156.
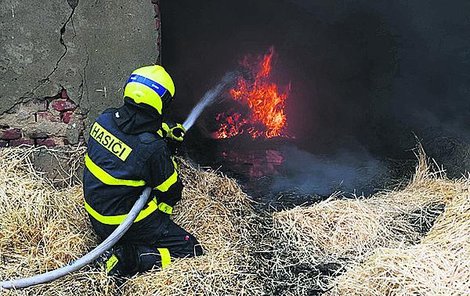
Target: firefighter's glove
x=174, y=131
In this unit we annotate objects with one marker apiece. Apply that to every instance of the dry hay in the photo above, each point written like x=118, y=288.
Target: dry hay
x=318, y=242
x=439, y=265
x=43, y=228
x=373, y=242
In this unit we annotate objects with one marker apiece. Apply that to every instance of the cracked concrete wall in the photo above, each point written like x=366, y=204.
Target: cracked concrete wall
x=64, y=61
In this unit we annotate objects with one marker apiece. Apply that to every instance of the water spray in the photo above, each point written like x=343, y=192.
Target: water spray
x=209, y=97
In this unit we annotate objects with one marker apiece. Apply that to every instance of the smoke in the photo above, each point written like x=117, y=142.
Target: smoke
x=375, y=73
x=348, y=171
x=386, y=70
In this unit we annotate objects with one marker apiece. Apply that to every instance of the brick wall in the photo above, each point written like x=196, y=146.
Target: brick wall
x=50, y=122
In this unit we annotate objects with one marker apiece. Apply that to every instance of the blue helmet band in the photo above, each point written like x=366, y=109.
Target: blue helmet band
x=155, y=86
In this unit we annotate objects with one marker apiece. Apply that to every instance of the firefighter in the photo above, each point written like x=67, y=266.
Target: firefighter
x=127, y=151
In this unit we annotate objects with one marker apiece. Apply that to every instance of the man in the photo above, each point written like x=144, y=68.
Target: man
x=127, y=151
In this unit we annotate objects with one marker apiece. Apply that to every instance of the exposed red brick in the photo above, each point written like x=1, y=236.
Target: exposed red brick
x=50, y=142
x=10, y=134
x=67, y=116
x=4, y=143
x=62, y=105
x=47, y=116
x=22, y=141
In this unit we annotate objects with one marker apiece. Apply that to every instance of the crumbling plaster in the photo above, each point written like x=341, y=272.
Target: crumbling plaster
x=85, y=47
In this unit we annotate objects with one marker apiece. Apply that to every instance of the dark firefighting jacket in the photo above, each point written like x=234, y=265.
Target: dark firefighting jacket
x=117, y=168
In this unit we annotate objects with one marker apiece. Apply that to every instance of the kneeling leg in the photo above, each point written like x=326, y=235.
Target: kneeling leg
x=179, y=242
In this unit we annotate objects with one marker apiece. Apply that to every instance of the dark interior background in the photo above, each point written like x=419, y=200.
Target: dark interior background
x=368, y=76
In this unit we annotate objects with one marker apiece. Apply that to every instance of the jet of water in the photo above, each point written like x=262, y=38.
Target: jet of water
x=209, y=97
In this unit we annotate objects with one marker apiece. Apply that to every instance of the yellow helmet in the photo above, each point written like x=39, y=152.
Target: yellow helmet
x=150, y=85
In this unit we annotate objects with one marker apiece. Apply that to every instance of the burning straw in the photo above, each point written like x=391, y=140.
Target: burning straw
x=43, y=228
x=319, y=242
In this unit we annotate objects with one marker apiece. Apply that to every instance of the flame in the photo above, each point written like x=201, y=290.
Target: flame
x=266, y=116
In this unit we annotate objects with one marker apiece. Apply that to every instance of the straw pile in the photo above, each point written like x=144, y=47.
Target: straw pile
x=319, y=242
x=388, y=244
x=43, y=228
x=439, y=265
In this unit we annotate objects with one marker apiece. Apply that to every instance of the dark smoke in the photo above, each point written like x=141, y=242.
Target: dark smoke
x=345, y=171
x=375, y=73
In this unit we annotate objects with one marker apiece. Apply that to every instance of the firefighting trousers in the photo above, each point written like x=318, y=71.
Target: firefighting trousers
x=151, y=243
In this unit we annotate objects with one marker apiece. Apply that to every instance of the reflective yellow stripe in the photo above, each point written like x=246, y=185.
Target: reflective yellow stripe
x=165, y=208
x=118, y=219
x=106, y=178
x=111, y=262
x=174, y=163
x=165, y=256
x=170, y=181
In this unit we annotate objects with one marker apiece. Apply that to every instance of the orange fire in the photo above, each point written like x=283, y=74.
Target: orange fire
x=266, y=116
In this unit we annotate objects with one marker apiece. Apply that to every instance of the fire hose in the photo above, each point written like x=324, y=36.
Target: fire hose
x=114, y=237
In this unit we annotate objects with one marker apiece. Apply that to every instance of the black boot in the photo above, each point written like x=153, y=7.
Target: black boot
x=119, y=261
